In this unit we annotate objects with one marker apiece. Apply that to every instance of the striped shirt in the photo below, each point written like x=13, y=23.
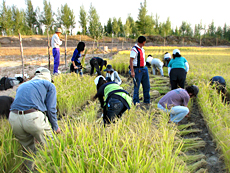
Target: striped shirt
x=134, y=54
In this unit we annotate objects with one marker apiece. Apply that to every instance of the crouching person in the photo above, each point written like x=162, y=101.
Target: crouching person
x=115, y=102
x=27, y=117
x=175, y=102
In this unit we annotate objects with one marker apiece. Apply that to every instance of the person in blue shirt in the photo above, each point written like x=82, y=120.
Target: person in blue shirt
x=218, y=82
x=177, y=70
x=76, y=64
x=27, y=113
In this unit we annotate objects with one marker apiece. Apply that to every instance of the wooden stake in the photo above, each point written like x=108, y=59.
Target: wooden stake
x=65, y=50
x=21, y=49
x=48, y=48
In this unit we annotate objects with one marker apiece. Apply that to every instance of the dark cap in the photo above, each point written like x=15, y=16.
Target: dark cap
x=109, y=68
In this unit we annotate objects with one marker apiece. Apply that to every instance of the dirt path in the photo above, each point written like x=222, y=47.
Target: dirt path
x=213, y=156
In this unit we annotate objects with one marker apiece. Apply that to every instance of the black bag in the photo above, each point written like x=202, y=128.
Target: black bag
x=5, y=83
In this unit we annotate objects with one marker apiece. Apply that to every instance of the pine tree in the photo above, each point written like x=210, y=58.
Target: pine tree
x=30, y=17
x=6, y=22
x=18, y=17
x=47, y=16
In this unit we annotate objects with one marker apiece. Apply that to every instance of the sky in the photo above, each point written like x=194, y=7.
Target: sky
x=190, y=11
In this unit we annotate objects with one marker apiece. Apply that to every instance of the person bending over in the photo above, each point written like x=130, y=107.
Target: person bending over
x=155, y=63
x=113, y=99
x=112, y=75
x=27, y=113
x=177, y=70
x=5, y=103
x=176, y=101
x=97, y=63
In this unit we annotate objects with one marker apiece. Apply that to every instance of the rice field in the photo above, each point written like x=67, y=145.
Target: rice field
x=142, y=141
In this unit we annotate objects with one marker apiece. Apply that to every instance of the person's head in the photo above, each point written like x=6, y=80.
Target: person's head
x=99, y=81
x=109, y=69
x=166, y=52
x=81, y=46
x=58, y=31
x=192, y=90
x=141, y=41
x=148, y=61
x=105, y=63
x=176, y=53
x=42, y=73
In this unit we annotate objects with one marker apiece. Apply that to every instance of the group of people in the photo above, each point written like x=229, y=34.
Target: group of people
x=33, y=113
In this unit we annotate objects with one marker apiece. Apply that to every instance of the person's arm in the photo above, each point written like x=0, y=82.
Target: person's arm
x=51, y=101
x=100, y=95
x=116, y=76
x=186, y=67
x=169, y=67
x=131, y=67
x=57, y=41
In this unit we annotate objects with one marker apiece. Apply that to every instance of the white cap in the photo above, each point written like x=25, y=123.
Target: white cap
x=96, y=80
x=42, y=73
x=176, y=51
x=149, y=59
x=58, y=30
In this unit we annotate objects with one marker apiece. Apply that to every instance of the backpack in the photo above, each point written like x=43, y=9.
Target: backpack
x=5, y=83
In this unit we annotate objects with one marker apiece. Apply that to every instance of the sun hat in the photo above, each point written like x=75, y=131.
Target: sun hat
x=176, y=51
x=42, y=73
x=96, y=80
x=58, y=30
x=109, y=68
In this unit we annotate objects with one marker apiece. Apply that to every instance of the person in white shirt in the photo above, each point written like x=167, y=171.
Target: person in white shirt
x=155, y=63
x=167, y=58
x=55, y=43
x=112, y=75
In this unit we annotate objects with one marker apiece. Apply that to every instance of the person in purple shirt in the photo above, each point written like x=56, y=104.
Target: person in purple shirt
x=27, y=113
x=176, y=101
x=76, y=64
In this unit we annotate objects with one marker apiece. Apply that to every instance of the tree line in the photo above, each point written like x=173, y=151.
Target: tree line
x=33, y=21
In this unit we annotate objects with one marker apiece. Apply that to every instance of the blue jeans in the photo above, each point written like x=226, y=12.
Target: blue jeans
x=142, y=77
x=114, y=109
x=177, y=113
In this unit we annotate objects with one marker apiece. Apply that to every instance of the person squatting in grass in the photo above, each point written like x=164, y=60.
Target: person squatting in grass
x=139, y=71
x=176, y=101
x=177, y=70
x=98, y=64
x=27, y=114
x=155, y=63
x=112, y=75
x=167, y=58
x=5, y=103
x=116, y=100
x=76, y=64
x=55, y=44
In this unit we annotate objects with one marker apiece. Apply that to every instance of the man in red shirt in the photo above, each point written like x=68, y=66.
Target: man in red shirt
x=139, y=71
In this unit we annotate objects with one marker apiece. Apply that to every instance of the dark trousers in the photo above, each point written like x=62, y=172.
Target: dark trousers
x=114, y=109
x=93, y=62
x=177, y=78
x=76, y=70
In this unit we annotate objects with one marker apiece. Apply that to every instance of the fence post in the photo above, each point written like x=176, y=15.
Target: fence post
x=21, y=49
x=48, y=44
x=65, y=49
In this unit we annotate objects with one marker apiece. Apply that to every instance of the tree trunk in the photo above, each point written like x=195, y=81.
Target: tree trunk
x=21, y=49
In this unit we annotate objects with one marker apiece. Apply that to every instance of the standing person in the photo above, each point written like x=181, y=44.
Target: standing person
x=98, y=64
x=155, y=63
x=139, y=71
x=176, y=101
x=112, y=75
x=5, y=103
x=55, y=43
x=116, y=100
x=167, y=58
x=76, y=64
x=27, y=117
x=177, y=70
